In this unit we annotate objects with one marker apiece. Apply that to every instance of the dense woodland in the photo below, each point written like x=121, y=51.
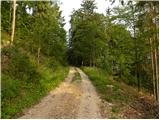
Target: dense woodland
x=35, y=56
x=36, y=53
x=124, y=42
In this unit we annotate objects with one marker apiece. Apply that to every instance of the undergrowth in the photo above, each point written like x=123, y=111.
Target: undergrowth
x=24, y=82
x=120, y=94
x=104, y=85
x=76, y=77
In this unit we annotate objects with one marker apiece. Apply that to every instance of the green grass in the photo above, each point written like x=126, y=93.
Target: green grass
x=101, y=80
x=24, y=83
x=107, y=88
x=5, y=37
x=76, y=77
x=115, y=109
x=18, y=95
x=119, y=94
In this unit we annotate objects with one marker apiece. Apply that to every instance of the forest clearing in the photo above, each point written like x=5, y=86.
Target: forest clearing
x=86, y=60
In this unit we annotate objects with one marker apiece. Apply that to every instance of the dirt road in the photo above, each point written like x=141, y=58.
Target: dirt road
x=72, y=99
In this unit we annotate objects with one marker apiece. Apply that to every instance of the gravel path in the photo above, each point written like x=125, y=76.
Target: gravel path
x=72, y=99
x=89, y=104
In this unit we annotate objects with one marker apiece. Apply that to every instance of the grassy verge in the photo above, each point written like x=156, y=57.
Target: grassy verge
x=107, y=89
x=125, y=99
x=76, y=77
x=105, y=85
x=24, y=83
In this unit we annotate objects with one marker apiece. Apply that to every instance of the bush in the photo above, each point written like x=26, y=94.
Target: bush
x=100, y=79
x=10, y=87
x=20, y=66
x=24, y=83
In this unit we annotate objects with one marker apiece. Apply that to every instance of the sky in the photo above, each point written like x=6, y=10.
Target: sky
x=67, y=7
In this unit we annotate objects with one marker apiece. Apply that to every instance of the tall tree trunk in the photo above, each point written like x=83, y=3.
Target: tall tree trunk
x=38, y=49
x=154, y=54
x=157, y=75
x=13, y=21
x=90, y=61
x=156, y=37
x=136, y=59
x=156, y=68
x=153, y=69
x=38, y=54
x=10, y=17
x=138, y=77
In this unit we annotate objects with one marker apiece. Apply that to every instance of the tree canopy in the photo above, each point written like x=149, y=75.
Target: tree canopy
x=124, y=42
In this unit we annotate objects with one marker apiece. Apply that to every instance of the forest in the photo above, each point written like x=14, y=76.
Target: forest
x=118, y=52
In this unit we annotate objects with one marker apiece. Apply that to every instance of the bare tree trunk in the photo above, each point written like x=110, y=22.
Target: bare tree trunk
x=10, y=17
x=136, y=60
x=153, y=69
x=138, y=78
x=154, y=42
x=90, y=62
x=13, y=21
x=156, y=58
x=156, y=68
x=157, y=75
x=39, y=49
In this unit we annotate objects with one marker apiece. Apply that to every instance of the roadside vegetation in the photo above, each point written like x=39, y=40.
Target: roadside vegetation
x=33, y=53
x=101, y=81
x=24, y=82
x=119, y=50
x=125, y=101
x=124, y=42
x=76, y=77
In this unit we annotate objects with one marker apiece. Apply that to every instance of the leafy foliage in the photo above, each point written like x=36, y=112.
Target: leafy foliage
x=36, y=62
x=124, y=42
